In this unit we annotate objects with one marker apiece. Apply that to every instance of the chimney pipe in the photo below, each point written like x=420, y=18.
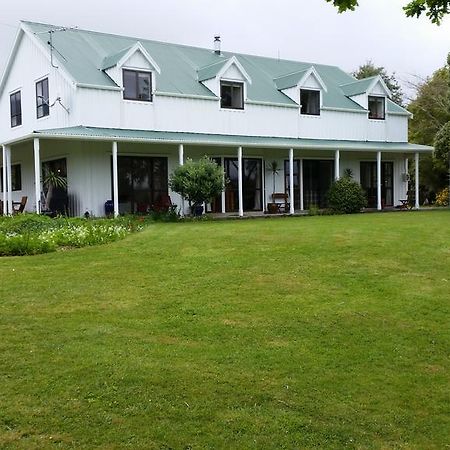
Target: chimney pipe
x=217, y=45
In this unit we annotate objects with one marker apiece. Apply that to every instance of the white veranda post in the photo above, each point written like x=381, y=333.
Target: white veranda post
x=115, y=179
x=417, y=179
x=9, y=180
x=337, y=169
x=37, y=176
x=5, y=200
x=240, y=186
x=379, y=181
x=291, y=181
x=302, y=203
x=181, y=163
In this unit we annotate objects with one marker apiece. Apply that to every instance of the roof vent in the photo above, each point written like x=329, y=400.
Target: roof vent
x=217, y=45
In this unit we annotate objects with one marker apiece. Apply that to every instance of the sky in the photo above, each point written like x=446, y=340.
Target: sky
x=303, y=30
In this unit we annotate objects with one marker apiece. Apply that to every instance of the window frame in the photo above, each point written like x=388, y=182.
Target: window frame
x=319, y=92
x=376, y=97
x=136, y=72
x=42, y=103
x=17, y=115
x=233, y=84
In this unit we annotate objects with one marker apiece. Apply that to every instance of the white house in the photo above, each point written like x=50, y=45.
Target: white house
x=115, y=115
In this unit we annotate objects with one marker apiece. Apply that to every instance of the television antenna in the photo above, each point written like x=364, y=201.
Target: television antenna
x=53, y=49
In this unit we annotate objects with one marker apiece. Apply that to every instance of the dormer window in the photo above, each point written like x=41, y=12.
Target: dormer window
x=231, y=95
x=376, y=107
x=309, y=102
x=137, y=85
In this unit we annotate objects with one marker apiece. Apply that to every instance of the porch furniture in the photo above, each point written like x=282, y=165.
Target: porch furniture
x=404, y=204
x=284, y=205
x=18, y=207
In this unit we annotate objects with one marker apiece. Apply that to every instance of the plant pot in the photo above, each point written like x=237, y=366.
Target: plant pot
x=272, y=208
x=197, y=210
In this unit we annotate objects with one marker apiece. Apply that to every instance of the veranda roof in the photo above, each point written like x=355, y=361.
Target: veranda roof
x=171, y=137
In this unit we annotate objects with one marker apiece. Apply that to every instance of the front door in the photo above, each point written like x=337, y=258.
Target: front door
x=296, y=181
x=54, y=180
x=251, y=184
x=368, y=177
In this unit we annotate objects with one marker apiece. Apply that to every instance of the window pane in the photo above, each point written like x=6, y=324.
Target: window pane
x=310, y=102
x=144, y=86
x=16, y=109
x=376, y=108
x=231, y=95
x=130, y=85
x=42, y=98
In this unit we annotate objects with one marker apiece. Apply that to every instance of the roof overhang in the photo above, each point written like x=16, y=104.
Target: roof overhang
x=217, y=140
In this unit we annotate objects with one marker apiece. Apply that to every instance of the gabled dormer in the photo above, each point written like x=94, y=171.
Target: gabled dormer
x=134, y=70
x=370, y=93
x=228, y=80
x=305, y=88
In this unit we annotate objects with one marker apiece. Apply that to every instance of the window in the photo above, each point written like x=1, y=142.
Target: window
x=42, y=98
x=16, y=178
x=376, y=108
x=16, y=109
x=310, y=102
x=137, y=85
x=231, y=95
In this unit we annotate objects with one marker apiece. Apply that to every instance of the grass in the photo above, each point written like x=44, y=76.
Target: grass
x=298, y=333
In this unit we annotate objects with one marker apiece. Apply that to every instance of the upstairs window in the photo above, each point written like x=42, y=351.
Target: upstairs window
x=16, y=109
x=310, y=102
x=231, y=95
x=137, y=85
x=42, y=99
x=376, y=108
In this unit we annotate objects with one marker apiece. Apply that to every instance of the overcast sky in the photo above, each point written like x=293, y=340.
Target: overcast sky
x=304, y=30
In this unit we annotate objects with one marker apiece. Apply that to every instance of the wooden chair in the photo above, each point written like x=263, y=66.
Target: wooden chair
x=19, y=207
x=284, y=206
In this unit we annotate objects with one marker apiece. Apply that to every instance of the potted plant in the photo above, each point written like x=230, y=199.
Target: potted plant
x=56, y=195
x=198, y=182
x=273, y=168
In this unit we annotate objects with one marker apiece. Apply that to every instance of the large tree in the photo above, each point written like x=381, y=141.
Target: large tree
x=430, y=126
x=369, y=70
x=434, y=9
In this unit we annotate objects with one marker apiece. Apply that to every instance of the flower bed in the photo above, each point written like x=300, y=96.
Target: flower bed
x=30, y=234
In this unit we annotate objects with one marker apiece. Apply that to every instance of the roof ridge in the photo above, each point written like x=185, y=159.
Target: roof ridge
x=292, y=73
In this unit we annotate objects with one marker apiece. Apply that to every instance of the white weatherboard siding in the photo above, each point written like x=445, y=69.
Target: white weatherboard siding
x=30, y=65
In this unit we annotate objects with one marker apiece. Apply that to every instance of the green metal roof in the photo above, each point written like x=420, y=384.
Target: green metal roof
x=170, y=137
x=358, y=86
x=289, y=80
x=208, y=72
x=112, y=60
x=87, y=53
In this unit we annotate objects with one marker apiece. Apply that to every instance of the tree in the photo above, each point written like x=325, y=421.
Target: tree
x=198, y=181
x=369, y=70
x=429, y=126
x=434, y=9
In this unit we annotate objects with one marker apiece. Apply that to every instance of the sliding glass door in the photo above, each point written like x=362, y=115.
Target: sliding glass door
x=142, y=182
x=317, y=178
x=251, y=184
x=368, y=178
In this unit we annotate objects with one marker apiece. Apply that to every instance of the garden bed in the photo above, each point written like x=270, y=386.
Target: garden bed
x=30, y=234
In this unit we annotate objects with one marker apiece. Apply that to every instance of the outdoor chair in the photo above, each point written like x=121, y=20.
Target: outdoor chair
x=284, y=206
x=19, y=207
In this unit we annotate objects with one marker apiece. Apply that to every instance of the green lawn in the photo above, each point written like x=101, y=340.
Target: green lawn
x=312, y=332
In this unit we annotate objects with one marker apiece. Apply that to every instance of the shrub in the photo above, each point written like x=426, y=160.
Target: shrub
x=442, y=198
x=346, y=196
x=198, y=181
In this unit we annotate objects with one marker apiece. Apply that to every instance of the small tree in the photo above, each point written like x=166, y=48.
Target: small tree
x=198, y=181
x=346, y=196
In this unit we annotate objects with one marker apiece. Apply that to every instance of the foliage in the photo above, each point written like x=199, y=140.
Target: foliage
x=442, y=143
x=30, y=234
x=291, y=333
x=434, y=9
x=55, y=180
x=369, y=69
x=442, y=198
x=198, y=181
x=346, y=196
x=431, y=112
